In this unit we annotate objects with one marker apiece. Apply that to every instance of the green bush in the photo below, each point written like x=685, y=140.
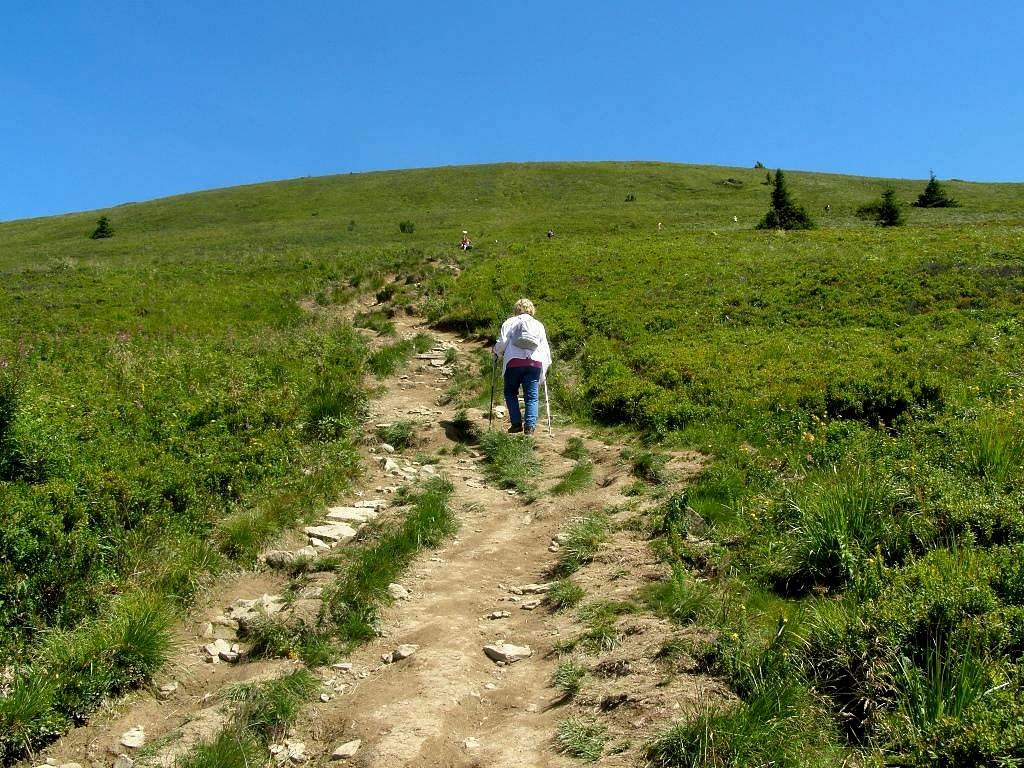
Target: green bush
x=878, y=402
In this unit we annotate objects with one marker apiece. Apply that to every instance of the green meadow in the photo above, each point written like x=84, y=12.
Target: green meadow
x=172, y=396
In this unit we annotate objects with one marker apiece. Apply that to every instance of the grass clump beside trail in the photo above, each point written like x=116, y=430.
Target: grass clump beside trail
x=262, y=714
x=582, y=738
x=351, y=608
x=575, y=448
x=386, y=360
x=564, y=594
x=399, y=435
x=511, y=461
x=581, y=541
x=351, y=605
x=575, y=480
x=568, y=678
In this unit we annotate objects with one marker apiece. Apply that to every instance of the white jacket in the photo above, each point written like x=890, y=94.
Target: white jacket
x=507, y=351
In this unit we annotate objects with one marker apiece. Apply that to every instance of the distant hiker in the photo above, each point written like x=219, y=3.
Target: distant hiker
x=551, y=233
x=659, y=226
x=523, y=347
x=828, y=208
x=465, y=243
x=735, y=219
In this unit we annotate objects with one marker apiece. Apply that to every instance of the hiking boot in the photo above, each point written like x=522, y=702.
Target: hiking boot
x=515, y=428
x=529, y=431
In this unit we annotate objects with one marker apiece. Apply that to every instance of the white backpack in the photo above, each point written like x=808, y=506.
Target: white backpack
x=524, y=338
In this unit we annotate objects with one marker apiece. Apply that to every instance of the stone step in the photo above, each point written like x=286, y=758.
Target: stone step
x=335, y=533
x=357, y=515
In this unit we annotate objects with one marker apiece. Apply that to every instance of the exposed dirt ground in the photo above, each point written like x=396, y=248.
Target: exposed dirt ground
x=448, y=704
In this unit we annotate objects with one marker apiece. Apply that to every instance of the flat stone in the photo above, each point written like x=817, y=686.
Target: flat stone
x=123, y=761
x=167, y=690
x=358, y=515
x=499, y=615
x=531, y=589
x=339, y=533
x=70, y=765
x=471, y=743
x=398, y=592
x=529, y=605
x=389, y=465
x=506, y=653
x=387, y=447
x=217, y=647
x=346, y=750
x=428, y=469
x=371, y=503
x=277, y=558
x=345, y=666
x=134, y=738
x=403, y=651
x=308, y=551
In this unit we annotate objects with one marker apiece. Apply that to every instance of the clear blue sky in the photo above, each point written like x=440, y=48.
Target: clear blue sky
x=104, y=103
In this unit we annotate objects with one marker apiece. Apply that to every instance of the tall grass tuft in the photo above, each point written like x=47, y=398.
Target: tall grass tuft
x=230, y=749
x=582, y=540
x=568, y=678
x=582, y=738
x=575, y=448
x=399, y=435
x=511, y=461
x=266, y=710
x=996, y=452
x=946, y=682
x=575, y=480
x=843, y=519
x=679, y=598
x=563, y=594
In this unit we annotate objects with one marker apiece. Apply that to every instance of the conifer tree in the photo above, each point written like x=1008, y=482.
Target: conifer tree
x=886, y=212
x=935, y=196
x=103, y=229
x=784, y=213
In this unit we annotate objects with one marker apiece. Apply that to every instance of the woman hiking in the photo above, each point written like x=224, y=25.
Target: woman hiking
x=523, y=347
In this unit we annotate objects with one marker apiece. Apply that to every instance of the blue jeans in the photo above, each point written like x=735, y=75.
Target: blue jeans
x=529, y=380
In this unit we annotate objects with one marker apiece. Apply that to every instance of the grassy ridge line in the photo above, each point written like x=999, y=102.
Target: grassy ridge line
x=350, y=615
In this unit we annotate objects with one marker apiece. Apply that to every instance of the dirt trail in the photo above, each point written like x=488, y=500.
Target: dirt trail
x=448, y=704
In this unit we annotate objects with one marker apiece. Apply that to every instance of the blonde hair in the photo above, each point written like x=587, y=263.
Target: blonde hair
x=525, y=307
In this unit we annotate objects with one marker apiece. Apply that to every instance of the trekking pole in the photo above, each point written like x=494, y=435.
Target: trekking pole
x=547, y=404
x=490, y=412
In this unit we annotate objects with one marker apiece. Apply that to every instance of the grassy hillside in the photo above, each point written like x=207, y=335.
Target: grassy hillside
x=165, y=405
